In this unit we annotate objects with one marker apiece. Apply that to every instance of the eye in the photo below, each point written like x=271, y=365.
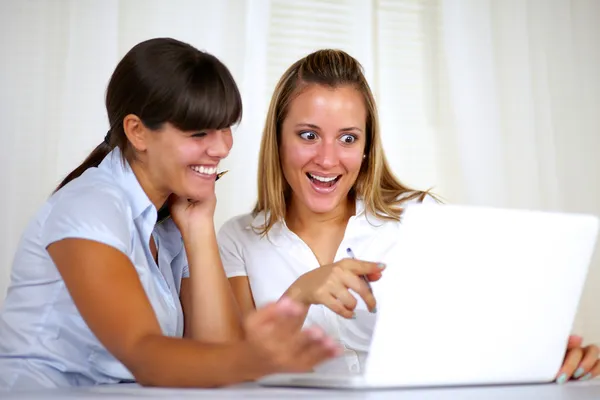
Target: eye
x=199, y=134
x=308, y=135
x=348, y=139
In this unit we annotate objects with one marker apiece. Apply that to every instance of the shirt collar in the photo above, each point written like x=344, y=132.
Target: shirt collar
x=121, y=171
x=279, y=231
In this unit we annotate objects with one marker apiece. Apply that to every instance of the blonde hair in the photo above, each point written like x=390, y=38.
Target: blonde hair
x=376, y=185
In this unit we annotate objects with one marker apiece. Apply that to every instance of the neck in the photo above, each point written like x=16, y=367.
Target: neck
x=300, y=219
x=156, y=196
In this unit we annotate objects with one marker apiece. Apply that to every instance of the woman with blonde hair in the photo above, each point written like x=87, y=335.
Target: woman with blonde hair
x=326, y=194
x=324, y=186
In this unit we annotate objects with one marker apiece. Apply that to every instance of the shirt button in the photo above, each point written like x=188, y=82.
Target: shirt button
x=354, y=368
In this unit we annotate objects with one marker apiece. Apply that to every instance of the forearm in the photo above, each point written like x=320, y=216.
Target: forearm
x=215, y=315
x=164, y=361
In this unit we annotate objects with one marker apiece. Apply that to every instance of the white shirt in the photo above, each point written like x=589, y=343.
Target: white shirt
x=44, y=341
x=274, y=262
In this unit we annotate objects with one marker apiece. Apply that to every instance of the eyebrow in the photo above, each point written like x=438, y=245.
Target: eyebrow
x=312, y=126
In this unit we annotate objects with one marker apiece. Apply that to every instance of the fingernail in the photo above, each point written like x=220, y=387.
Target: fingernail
x=374, y=310
x=381, y=266
x=562, y=379
x=586, y=377
x=578, y=373
x=353, y=316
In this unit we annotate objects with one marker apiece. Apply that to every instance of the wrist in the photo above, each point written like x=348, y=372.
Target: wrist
x=199, y=230
x=251, y=364
x=297, y=294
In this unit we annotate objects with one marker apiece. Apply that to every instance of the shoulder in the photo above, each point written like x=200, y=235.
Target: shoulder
x=94, y=191
x=234, y=239
x=237, y=228
x=94, y=209
x=393, y=208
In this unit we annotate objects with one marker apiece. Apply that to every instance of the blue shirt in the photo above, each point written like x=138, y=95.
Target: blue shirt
x=44, y=342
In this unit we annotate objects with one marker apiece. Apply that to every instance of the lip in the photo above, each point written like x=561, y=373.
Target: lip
x=323, y=175
x=323, y=190
x=209, y=177
x=205, y=165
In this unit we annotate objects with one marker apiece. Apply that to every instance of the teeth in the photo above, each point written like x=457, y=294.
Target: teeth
x=322, y=178
x=205, y=170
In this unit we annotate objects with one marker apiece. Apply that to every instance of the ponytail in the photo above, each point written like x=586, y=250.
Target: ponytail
x=92, y=160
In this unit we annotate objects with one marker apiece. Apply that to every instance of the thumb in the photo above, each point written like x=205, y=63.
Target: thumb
x=375, y=276
x=263, y=316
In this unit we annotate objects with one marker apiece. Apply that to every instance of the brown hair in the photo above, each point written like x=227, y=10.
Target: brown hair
x=164, y=80
x=382, y=193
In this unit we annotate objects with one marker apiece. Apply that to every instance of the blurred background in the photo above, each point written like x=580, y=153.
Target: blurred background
x=490, y=102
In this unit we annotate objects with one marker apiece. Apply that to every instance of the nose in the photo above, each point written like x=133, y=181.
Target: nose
x=220, y=144
x=326, y=156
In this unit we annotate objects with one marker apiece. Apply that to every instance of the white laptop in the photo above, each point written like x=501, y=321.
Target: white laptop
x=472, y=296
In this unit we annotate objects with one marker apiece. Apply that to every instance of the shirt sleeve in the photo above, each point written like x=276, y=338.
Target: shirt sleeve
x=186, y=267
x=100, y=214
x=229, y=248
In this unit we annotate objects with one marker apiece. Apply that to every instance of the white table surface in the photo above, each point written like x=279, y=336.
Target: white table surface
x=570, y=391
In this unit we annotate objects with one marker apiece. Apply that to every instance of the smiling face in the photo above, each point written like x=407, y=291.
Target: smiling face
x=186, y=163
x=322, y=144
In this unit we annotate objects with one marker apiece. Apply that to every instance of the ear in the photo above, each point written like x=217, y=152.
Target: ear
x=136, y=132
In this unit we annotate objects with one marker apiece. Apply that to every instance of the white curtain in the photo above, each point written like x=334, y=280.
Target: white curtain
x=491, y=102
x=57, y=57
x=523, y=111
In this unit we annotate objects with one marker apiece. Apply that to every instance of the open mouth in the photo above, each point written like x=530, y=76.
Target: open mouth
x=204, y=171
x=323, y=182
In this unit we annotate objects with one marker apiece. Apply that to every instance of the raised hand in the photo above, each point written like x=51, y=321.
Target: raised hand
x=277, y=344
x=330, y=284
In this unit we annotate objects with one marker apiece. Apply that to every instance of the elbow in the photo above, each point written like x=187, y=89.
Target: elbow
x=146, y=381
x=150, y=379
x=140, y=363
x=145, y=375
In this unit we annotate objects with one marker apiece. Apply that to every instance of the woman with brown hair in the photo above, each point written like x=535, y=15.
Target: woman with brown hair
x=102, y=293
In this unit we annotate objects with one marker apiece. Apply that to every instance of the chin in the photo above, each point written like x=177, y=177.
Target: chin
x=198, y=190
x=196, y=195
x=322, y=206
